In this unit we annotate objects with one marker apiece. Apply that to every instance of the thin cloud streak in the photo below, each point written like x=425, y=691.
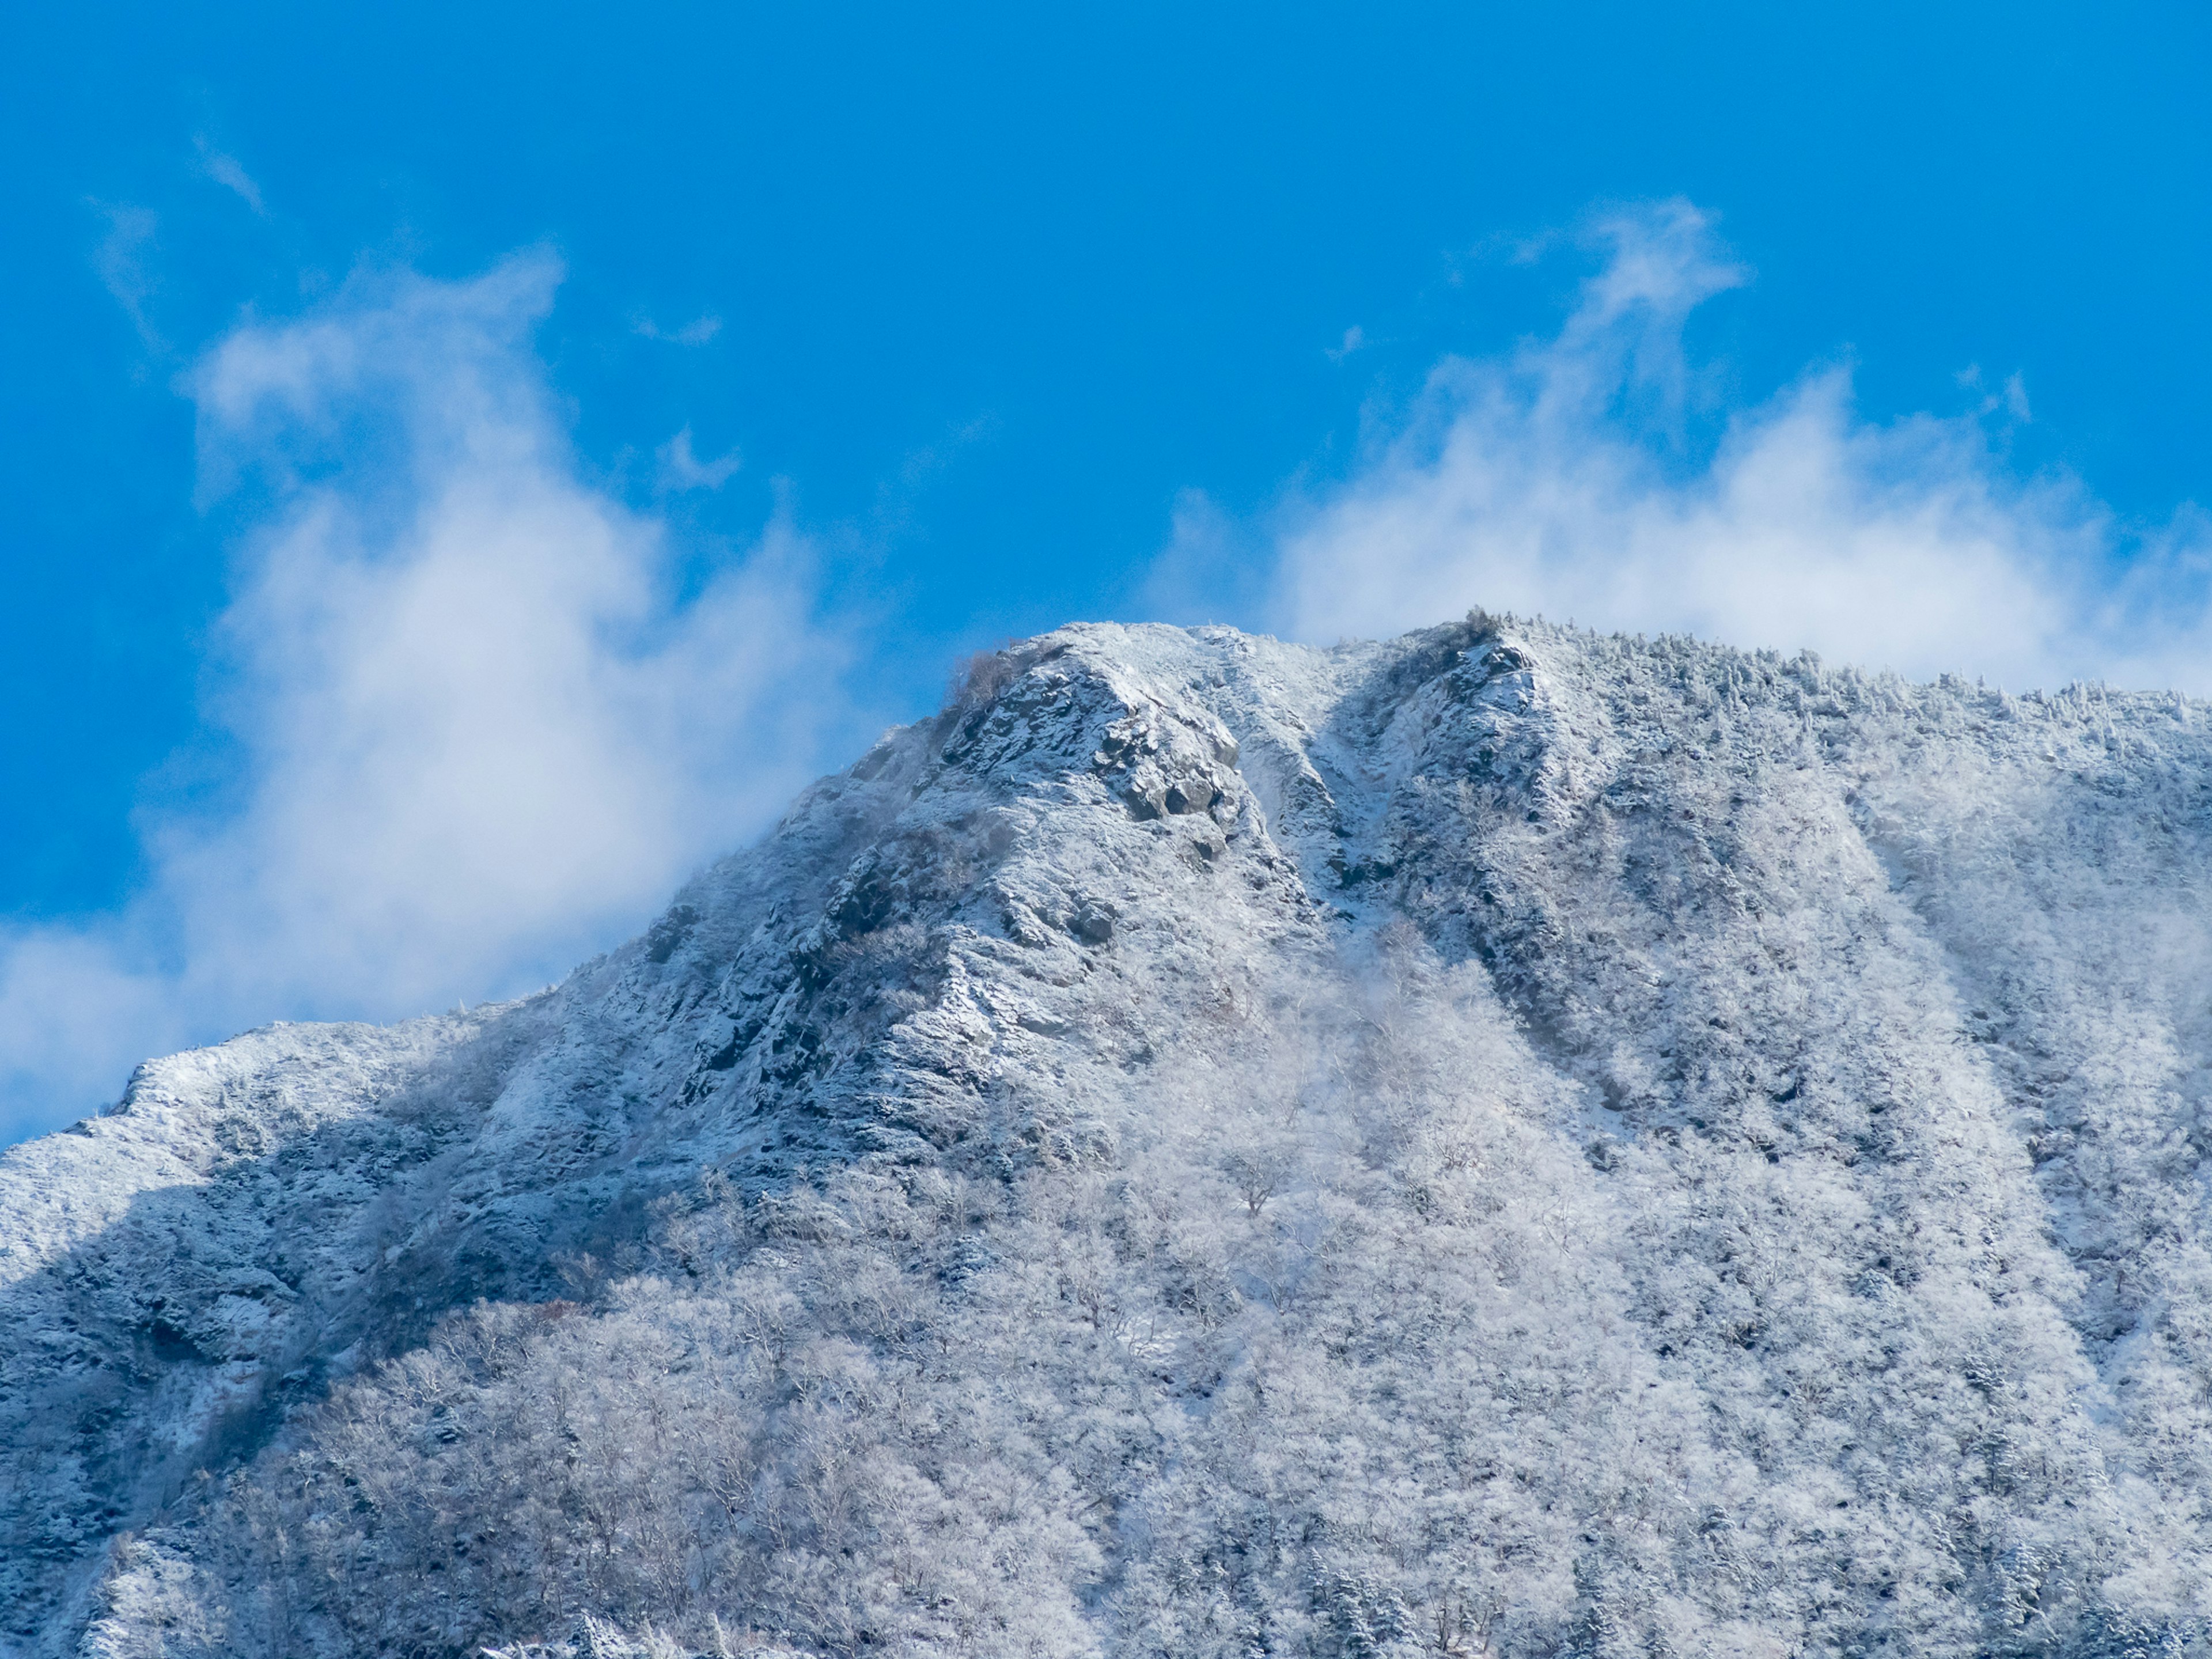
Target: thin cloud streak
x=482, y=734
x=120, y=262
x=697, y=332
x=682, y=469
x=226, y=171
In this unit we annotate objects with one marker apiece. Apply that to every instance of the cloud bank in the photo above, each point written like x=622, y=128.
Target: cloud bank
x=1557, y=480
x=476, y=723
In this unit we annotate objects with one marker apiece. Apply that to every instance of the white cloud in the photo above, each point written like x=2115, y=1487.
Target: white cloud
x=1557, y=480
x=697, y=332
x=1215, y=570
x=477, y=732
x=682, y=469
x=225, y=170
x=120, y=262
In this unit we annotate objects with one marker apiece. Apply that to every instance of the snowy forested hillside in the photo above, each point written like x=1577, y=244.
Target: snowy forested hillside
x=1505, y=1141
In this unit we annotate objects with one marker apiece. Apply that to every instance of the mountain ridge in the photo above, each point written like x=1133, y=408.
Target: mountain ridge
x=1787, y=1082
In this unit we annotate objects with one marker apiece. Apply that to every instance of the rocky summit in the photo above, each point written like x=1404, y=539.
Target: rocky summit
x=1505, y=1141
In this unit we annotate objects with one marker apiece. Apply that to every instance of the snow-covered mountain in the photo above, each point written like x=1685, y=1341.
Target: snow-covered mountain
x=1502, y=1141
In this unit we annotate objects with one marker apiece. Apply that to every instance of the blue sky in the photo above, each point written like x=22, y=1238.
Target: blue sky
x=424, y=430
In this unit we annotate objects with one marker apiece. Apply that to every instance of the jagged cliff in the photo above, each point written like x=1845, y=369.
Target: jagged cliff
x=1501, y=1141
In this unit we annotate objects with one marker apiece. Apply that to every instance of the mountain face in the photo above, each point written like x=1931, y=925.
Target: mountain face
x=1501, y=1142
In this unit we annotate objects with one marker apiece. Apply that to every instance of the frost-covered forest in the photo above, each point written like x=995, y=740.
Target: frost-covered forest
x=1502, y=1142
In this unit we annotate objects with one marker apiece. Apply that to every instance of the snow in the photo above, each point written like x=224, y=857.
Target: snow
x=1506, y=1137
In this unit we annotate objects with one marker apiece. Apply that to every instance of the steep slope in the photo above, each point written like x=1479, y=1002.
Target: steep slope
x=1502, y=1139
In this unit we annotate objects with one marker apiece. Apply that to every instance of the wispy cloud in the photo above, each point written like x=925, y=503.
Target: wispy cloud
x=697, y=332
x=225, y=170
x=120, y=259
x=1558, y=479
x=479, y=733
x=1218, y=568
x=2011, y=398
x=682, y=469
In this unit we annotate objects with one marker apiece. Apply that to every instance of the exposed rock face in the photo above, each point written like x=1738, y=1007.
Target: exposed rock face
x=1501, y=1138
